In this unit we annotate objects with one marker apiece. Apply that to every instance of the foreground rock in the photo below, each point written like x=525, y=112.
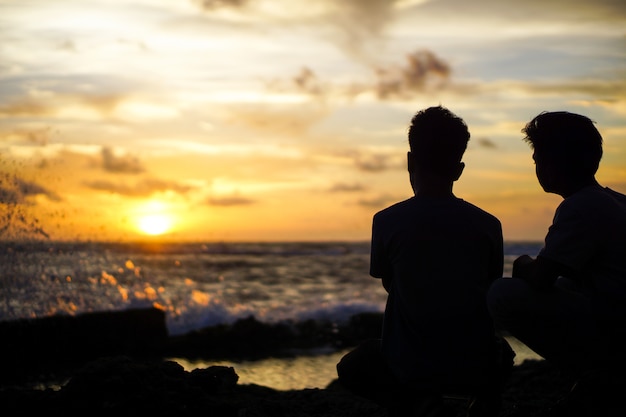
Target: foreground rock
x=122, y=386
x=113, y=362
x=49, y=347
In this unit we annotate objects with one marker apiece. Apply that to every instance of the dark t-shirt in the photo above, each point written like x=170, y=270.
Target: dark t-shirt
x=440, y=255
x=588, y=235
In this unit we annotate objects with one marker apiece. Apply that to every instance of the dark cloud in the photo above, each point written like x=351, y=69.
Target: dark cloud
x=24, y=107
x=306, y=81
x=103, y=103
x=126, y=164
x=529, y=10
x=380, y=201
x=372, y=163
x=143, y=188
x=288, y=120
x=370, y=160
x=606, y=89
x=355, y=26
x=378, y=162
x=346, y=188
x=422, y=70
x=67, y=45
x=28, y=188
x=361, y=25
x=218, y=4
x=27, y=106
x=40, y=136
x=234, y=200
x=15, y=190
x=486, y=143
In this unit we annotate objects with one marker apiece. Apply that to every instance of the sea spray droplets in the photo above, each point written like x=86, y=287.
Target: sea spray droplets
x=196, y=285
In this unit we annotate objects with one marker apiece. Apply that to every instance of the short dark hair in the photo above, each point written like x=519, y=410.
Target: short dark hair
x=567, y=139
x=438, y=139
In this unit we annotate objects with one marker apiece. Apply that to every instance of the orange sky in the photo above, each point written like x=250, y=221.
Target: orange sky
x=279, y=120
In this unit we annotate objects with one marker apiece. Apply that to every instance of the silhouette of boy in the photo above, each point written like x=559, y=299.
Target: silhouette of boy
x=569, y=303
x=436, y=255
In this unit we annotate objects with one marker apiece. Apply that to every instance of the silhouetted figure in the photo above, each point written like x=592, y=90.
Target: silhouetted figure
x=436, y=255
x=569, y=303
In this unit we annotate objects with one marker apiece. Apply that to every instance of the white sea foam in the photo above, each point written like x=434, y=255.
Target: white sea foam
x=198, y=285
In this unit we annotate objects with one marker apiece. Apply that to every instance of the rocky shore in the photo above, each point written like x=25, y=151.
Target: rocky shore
x=115, y=363
x=124, y=386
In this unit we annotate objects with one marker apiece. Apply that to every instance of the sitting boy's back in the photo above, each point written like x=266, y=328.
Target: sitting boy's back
x=442, y=255
x=436, y=256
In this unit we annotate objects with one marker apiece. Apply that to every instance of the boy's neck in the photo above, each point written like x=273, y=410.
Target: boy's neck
x=430, y=189
x=577, y=186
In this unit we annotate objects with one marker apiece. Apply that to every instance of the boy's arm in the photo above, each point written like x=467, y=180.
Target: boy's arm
x=386, y=283
x=379, y=262
x=541, y=272
x=498, y=263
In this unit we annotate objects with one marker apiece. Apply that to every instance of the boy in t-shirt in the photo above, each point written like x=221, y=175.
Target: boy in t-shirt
x=569, y=303
x=436, y=255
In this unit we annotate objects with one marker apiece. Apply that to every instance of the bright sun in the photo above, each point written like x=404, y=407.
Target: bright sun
x=155, y=224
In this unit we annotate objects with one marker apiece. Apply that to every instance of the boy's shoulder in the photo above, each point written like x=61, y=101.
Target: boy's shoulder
x=592, y=198
x=446, y=206
x=477, y=209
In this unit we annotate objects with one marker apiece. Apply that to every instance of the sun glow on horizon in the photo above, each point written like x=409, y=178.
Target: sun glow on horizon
x=154, y=218
x=155, y=224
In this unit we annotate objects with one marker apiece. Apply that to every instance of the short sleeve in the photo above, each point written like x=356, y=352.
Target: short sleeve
x=572, y=237
x=380, y=264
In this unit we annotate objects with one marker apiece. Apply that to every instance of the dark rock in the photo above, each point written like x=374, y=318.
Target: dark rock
x=249, y=338
x=113, y=362
x=52, y=344
x=246, y=338
x=361, y=327
x=121, y=386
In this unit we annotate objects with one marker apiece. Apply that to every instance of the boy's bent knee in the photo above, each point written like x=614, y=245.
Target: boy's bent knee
x=497, y=294
x=360, y=364
x=506, y=296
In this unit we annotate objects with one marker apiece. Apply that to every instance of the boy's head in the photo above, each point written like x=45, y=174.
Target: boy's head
x=437, y=139
x=566, y=142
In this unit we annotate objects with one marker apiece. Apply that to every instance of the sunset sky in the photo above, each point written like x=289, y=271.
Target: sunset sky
x=285, y=120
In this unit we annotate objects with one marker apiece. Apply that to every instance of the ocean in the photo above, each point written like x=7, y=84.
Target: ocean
x=205, y=284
